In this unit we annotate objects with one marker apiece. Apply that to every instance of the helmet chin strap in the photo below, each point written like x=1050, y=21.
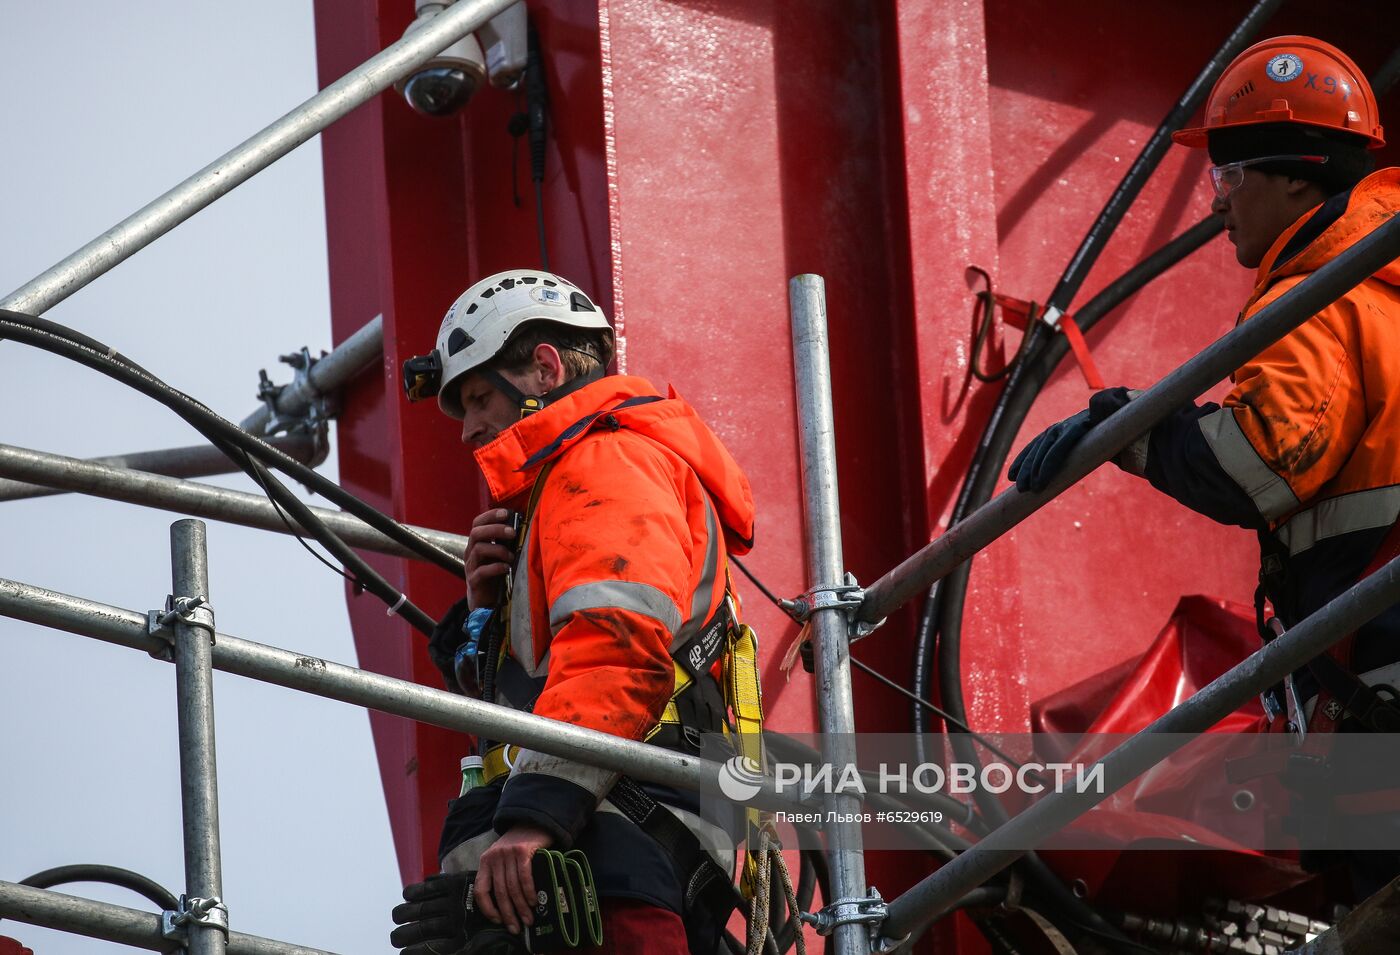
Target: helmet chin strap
x=529, y=404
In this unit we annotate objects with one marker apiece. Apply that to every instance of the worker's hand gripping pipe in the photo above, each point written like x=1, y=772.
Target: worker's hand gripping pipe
x=1182, y=385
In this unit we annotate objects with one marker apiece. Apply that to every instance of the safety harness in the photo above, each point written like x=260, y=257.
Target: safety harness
x=697, y=704
x=1341, y=693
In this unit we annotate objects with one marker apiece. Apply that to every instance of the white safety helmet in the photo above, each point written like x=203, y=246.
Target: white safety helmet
x=481, y=321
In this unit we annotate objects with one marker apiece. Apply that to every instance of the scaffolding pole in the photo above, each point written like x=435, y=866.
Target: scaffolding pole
x=335, y=681
x=936, y=895
x=830, y=625
x=200, y=500
x=999, y=515
x=117, y=923
x=199, y=460
x=240, y=164
x=192, y=619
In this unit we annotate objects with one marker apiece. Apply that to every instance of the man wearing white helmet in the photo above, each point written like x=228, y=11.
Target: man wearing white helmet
x=608, y=608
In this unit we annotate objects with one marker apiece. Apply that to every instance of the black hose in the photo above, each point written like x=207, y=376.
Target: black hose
x=56, y=339
x=109, y=874
x=947, y=601
x=1142, y=168
x=101, y=357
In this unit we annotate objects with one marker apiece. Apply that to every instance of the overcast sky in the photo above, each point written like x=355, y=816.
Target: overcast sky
x=105, y=106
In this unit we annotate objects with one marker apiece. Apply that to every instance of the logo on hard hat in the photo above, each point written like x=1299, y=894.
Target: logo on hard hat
x=1285, y=67
x=548, y=296
x=740, y=778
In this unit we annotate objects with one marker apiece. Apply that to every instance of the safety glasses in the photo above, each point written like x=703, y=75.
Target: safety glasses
x=1227, y=178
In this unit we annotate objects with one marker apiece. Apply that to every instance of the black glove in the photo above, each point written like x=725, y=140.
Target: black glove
x=434, y=919
x=1038, y=463
x=447, y=636
x=439, y=915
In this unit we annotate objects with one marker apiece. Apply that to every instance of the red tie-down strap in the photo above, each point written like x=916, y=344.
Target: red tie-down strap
x=1019, y=314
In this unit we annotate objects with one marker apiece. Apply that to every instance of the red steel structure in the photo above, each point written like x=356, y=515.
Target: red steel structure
x=703, y=151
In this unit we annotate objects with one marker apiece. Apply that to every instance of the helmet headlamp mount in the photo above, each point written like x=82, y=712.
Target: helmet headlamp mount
x=422, y=376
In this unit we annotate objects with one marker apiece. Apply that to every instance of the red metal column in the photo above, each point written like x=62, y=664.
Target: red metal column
x=396, y=236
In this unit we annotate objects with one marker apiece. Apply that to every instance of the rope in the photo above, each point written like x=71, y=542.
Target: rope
x=758, y=906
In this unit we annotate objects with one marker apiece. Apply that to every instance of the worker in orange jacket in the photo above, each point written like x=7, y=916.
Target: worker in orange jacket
x=1306, y=447
x=631, y=507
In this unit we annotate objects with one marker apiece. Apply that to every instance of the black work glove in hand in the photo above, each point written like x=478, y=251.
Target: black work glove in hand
x=1038, y=463
x=439, y=915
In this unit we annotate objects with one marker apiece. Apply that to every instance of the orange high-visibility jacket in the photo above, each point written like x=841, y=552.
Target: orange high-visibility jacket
x=1307, y=446
x=625, y=557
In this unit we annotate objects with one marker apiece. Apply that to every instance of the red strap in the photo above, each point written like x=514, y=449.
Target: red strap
x=1080, y=347
x=1018, y=314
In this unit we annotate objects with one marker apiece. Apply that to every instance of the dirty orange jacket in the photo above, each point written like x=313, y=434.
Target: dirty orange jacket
x=1306, y=448
x=624, y=558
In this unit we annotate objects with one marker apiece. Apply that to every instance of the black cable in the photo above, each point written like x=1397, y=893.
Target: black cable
x=947, y=600
x=1152, y=152
x=777, y=601
x=920, y=701
x=108, y=874
x=537, y=123
x=56, y=339
x=787, y=608
x=48, y=335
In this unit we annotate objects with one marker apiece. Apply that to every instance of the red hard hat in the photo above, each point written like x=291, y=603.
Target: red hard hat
x=1291, y=79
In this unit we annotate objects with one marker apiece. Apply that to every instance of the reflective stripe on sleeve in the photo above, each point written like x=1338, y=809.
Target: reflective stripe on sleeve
x=1358, y=511
x=595, y=779
x=700, y=600
x=615, y=595
x=1237, y=457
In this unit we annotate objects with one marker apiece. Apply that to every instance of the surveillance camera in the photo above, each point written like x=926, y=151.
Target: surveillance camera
x=445, y=83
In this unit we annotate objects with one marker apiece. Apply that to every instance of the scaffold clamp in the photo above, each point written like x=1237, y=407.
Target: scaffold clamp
x=321, y=407
x=846, y=597
x=194, y=611
x=870, y=911
x=210, y=912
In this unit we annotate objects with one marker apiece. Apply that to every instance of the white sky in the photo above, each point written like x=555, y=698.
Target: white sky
x=105, y=106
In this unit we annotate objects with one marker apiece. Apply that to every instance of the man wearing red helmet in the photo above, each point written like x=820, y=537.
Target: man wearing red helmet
x=1306, y=447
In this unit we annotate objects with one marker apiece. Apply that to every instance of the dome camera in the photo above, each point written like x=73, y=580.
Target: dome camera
x=446, y=82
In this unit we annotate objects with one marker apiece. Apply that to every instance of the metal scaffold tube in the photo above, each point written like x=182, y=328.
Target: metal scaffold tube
x=243, y=162
x=335, y=681
x=327, y=375
x=938, y=893
x=199, y=460
x=192, y=619
x=117, y=923
x=825, y=563
x=200, y=500
x=937, y=559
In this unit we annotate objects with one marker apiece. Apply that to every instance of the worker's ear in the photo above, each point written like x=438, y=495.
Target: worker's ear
x=1300, y=188
x=549, y=366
